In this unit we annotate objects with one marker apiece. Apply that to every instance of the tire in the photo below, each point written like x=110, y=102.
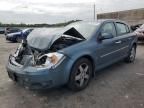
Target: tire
x=80, y=75
x=132, y=54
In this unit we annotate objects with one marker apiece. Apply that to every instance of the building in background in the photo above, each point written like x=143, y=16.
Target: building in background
x=132, y=17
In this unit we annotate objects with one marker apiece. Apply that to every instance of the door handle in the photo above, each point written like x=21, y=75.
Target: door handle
x=118, y=42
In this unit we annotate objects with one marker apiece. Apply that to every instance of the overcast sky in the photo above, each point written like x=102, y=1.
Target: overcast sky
x=54, y=11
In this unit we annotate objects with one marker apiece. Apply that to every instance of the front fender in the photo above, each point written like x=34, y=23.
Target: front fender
x=77, y=51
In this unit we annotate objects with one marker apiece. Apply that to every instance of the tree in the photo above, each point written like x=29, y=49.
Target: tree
x=38, y=25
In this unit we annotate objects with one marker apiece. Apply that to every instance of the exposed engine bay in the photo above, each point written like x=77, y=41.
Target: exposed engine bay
x=64, y=42
x=38, y=57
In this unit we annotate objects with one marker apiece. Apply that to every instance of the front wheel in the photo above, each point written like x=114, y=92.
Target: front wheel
x=132, y=54
x=80, y=75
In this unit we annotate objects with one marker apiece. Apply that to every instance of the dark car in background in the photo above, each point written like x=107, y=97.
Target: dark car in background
x=18, y=36
x=2, y=30
x=11, y=30
x=72, y=55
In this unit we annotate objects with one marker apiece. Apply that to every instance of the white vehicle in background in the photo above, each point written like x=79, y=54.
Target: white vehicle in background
x=140, y=32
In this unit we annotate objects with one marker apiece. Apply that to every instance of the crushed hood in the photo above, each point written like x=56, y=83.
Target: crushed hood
x=43, y=38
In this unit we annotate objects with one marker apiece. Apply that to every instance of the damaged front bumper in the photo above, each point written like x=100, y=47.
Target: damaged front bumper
x=39, y=78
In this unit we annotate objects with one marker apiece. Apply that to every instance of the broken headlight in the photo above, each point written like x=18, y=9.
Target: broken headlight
x=51, y=60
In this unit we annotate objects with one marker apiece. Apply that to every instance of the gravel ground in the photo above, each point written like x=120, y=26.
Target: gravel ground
x=118, y=86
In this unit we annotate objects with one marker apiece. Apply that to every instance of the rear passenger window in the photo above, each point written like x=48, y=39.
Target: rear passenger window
x=122, y=28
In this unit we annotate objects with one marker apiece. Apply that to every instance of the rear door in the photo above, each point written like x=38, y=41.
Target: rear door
x=122, y=39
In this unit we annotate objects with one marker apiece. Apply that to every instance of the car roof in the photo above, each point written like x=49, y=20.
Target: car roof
x=99, y=21
x=26, y=29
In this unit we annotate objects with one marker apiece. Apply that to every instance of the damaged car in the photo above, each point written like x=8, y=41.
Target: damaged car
x=71, y=55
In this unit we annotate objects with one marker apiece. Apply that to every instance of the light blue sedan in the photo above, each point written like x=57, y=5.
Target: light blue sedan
x=71, y=55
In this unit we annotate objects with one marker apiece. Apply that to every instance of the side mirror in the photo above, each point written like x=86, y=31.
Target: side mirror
x=104, y=36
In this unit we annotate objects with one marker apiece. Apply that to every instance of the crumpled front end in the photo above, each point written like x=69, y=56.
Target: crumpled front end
x=24, y=68
x=38, y=62
x=39, y=69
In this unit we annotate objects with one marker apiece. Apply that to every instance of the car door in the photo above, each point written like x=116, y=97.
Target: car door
x=122, y=39
x=106, y=48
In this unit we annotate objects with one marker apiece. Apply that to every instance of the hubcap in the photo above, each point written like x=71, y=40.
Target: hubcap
x=82, y=75
x=132, y=55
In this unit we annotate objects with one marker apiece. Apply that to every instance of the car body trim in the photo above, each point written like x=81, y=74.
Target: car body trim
x=114, y=51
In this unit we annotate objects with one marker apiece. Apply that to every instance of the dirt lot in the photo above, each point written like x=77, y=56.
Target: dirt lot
x=118, y=86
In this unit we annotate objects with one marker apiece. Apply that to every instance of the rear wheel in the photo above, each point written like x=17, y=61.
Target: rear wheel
x=132, y=54
x=80, y=75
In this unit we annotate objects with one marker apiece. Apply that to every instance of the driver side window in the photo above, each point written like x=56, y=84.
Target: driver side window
x=108, y=28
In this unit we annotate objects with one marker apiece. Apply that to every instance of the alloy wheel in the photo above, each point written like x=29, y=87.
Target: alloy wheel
x=82, y=75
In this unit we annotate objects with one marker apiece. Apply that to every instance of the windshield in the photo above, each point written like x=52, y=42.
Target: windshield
x=25, y=30
x=86, y=30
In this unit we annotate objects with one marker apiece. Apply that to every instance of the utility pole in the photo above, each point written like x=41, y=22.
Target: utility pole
x=94, y=13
